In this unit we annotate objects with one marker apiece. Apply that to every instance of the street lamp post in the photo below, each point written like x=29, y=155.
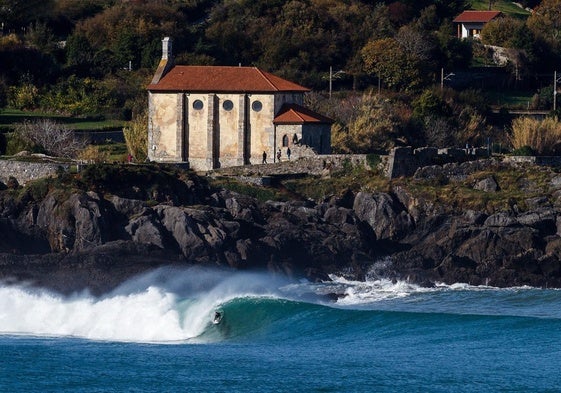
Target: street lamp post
x=332, y=76
x=555, y=81
x=444, y=78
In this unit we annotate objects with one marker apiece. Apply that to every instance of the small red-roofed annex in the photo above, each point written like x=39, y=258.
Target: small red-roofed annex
x=470, y=22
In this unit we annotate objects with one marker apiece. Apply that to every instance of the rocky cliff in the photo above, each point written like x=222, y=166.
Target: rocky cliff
x=96, y=234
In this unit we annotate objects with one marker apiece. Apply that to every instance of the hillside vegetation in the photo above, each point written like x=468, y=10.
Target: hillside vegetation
x=92, y=59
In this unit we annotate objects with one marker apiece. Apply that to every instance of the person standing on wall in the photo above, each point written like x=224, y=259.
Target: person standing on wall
x=279, y=155
x=288, y=152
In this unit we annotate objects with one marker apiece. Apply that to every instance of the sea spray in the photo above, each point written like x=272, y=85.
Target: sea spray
x=144, y=316
x=166, y=305
x=177, y=305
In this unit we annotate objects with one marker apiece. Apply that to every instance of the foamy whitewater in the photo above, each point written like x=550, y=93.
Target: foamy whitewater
x=155, y=333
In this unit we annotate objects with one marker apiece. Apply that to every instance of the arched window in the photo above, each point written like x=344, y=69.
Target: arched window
x=295, y=139
x=285, y=141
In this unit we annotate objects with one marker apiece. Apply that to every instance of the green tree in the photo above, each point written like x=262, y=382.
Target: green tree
x=452, y=53
x=79, y=54
x=430, y=103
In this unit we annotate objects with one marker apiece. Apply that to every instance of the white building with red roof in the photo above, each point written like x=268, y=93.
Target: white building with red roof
x=470, y=23
x=218, y=116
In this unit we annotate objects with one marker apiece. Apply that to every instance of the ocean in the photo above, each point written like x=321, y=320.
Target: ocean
x=155, y=334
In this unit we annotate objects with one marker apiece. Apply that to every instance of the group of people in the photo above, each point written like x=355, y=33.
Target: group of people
x=279, y=155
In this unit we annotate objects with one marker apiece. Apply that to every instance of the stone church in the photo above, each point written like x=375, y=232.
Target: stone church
x=216, y=116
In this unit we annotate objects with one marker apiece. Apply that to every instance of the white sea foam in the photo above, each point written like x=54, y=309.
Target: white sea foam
x=381, y=289
x=177, y=307
x=147, y=316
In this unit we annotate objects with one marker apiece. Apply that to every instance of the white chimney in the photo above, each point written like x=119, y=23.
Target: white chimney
x=166, y=62
x=166, y=48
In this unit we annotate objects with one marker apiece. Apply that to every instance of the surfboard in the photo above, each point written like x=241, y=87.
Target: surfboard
x=217, y=318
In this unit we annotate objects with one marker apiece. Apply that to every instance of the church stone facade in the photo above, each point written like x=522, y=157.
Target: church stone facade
x=212, y=117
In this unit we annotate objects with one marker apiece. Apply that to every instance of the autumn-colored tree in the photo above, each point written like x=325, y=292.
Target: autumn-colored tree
x=506, y=32
x=545, y=22
x=373, y=125
x=393, y=64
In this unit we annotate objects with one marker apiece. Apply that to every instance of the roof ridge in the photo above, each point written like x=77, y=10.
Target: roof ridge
x=292, y=109
x=262, y=73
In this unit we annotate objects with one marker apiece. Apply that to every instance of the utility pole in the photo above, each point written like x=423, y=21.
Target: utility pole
x=332, y=76
x=555, y=81
x=330, y=80
x=443, y=78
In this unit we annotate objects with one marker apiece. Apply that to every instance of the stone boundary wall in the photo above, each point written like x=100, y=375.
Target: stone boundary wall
x=404, y=161
x=27, y=171
x=545, y=161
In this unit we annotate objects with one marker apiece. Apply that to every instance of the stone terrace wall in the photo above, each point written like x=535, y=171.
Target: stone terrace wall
x=26, y=171
x=545, y=161
x=404, y=161
x=313, y=165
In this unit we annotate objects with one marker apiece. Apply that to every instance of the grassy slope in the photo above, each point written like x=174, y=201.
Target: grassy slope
x=507, y=7
x=9, y=117
x=516, y=186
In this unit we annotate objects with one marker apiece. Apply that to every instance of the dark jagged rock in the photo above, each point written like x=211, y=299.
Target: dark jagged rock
x=71, y=241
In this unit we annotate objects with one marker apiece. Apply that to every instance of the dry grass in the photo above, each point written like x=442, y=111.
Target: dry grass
x=542, y=136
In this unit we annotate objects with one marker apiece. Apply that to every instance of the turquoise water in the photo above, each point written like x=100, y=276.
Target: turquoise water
x=154, y=334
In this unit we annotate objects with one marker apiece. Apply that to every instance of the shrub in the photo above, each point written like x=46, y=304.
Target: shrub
x=23, y=97
x=136, y=137
x=371, y=124
x=523, y=151
x=15, y=143
x=53, y=138
x=373, y=160
x=93, y=154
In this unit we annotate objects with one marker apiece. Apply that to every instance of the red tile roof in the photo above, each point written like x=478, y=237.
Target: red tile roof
x=476, y=16
x=296, y=114
x=223, y=79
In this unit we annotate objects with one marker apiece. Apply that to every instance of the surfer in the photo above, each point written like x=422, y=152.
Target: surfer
x=217, y=317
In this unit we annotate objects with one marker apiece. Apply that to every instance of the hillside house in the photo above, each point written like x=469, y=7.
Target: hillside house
x=470, y=23
x=218, y=116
